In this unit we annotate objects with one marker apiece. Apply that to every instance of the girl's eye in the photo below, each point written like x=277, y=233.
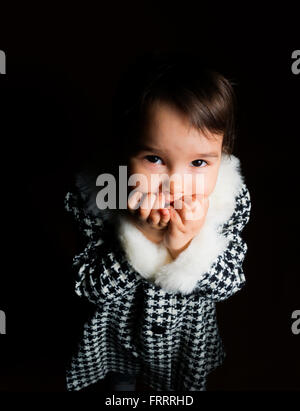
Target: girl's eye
x=153, y=159
x=196, y=163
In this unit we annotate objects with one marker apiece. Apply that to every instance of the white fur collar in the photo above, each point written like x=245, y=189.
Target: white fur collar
x=153, y=261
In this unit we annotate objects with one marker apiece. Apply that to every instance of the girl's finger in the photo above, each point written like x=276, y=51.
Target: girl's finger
x=182, y=204
x=175, y=218
x=134, y=199
x=162, y=200
x=159, y=202
x=146, y=205
x=164, y=212
x=154, y=217
x=164, y=217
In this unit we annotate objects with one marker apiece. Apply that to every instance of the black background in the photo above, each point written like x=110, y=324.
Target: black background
x=62, y=68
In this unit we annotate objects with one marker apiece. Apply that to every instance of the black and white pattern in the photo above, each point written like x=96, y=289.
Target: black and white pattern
x=169, y=339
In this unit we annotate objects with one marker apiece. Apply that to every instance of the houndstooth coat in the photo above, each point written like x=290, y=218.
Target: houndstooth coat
x=153, y=316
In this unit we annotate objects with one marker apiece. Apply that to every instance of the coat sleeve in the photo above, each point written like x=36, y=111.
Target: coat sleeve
x=89, y=226
x=102, y=273
x=226, y=275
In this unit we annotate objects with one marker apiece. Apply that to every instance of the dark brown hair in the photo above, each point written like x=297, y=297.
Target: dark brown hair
x=205, y=96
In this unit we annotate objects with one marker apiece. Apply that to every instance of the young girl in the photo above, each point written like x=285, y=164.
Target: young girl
x=156, y=269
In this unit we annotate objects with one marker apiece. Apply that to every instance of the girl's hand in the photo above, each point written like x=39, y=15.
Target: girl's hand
x=152, y=217
x=186, y=220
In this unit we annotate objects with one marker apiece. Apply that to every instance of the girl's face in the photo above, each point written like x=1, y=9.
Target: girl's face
x=176, y=153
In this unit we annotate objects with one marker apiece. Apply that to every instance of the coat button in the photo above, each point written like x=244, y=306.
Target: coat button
x=158, y=329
